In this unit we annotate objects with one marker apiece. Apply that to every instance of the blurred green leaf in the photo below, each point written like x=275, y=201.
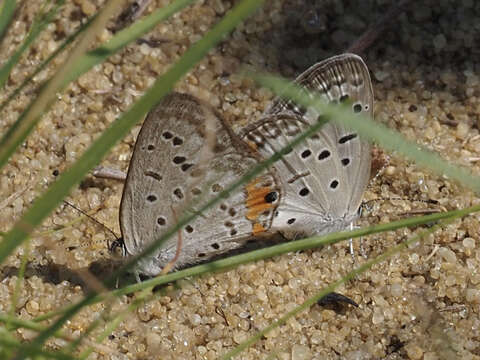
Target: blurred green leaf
x=7, y=12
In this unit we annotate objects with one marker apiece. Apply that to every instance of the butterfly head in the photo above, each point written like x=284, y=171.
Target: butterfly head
x=118, y=248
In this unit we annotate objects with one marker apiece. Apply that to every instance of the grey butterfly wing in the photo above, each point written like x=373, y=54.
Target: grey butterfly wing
x=170, y=168
x=324, y=178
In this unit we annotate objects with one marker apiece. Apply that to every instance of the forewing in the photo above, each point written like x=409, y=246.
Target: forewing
x=175, y=163
x=325, y=177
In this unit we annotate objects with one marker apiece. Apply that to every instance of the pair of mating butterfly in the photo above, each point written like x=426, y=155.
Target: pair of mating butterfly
x=315, y=189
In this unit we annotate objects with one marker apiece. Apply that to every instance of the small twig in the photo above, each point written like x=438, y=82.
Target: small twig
x=435, y=249
x=12, y=198
x=109, y=173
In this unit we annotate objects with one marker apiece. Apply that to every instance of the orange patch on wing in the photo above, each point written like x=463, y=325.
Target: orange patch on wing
x=258, y=228
x=256, y=204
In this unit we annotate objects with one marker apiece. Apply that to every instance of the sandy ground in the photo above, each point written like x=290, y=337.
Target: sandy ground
x=420, y=304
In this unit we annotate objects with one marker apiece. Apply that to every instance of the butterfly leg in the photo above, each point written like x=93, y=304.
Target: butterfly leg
x=137, y=277
x=109, y=173
x=350, y=245
x=362, y=249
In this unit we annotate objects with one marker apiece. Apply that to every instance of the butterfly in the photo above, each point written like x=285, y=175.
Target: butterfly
x=186, y=154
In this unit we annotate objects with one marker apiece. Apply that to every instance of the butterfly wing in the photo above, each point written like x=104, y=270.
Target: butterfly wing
x=185, y=153
x=324, y=178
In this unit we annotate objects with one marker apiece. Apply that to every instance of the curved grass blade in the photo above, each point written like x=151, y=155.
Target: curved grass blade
x=120, y=40
x=22, y=127
x=7, y=342
x=351, y=275
x=210, y=267
x=7, y=12
x=41, y=21
x=125, y=36
x=48, y=201
x=276, y=250
x=17, y=323
x=47, y=61
x=79, y=64
x=372, y=131
x=20, y=280
x=292, y=246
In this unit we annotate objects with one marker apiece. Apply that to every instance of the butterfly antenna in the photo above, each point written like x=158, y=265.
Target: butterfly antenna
x=365, y=205
x=430, y=201
x=96, y=221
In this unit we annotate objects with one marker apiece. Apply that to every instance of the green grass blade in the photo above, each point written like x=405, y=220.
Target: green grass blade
x=6, y=15
x=38, y=25
x=42, y=66
x=292, y=246
x=280, y=249
x=124, y=37
x=366, y=128
x=71, y=70
x=116, y=43
x=373, y=131
x=16, y=323
x=117, y=318
x=351, y=275
x=7, y=342
x=47, y=202
x=20, y=280
x=22, y=127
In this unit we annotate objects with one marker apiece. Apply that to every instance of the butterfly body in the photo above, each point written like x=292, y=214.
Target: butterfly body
x=186, y=154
